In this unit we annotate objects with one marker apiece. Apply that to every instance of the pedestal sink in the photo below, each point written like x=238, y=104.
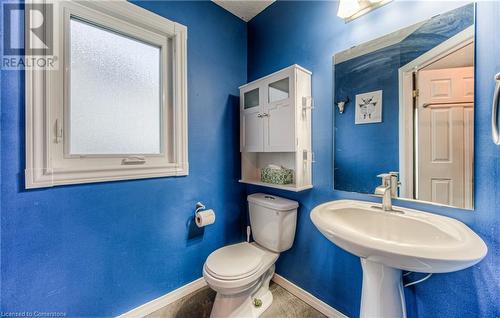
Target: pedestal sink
x=391, y=241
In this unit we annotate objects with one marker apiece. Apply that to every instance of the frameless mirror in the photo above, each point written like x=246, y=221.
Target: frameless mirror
x=405, y=107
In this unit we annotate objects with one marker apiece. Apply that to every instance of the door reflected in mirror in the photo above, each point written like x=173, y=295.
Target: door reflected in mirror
x=425, y=76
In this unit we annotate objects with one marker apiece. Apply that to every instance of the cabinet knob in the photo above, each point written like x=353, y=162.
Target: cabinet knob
x=259, y=115
x=265, y=115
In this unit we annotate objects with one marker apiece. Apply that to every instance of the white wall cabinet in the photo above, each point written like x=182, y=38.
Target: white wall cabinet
x=251, y=119
x=275, y=126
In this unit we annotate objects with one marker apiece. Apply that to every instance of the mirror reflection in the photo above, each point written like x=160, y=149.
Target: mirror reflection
x=405, y=112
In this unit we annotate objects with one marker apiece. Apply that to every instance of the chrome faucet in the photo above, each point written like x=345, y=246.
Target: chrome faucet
x=386, y=190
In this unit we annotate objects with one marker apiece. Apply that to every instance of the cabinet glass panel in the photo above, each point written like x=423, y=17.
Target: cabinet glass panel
x=279, y=90
x=251, y=98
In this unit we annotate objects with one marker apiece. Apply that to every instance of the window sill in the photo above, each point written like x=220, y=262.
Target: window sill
x=50, y=178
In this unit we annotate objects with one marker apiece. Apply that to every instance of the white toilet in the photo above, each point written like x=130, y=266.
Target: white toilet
x=240, y=273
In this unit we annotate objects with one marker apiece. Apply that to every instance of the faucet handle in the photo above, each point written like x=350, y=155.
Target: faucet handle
x=384, y=175
x=395, y=183
x=386, y=179
x=395, y=178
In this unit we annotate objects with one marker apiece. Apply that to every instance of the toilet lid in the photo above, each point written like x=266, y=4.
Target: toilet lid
x=234, y=261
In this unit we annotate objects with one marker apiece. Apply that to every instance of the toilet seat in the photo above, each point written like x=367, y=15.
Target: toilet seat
x=235, y=261
x=235, y=268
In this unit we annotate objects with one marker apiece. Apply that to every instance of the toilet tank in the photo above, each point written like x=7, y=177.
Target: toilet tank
x=273, y=221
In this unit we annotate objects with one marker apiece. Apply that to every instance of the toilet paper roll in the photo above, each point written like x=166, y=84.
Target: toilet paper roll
x=204, y=218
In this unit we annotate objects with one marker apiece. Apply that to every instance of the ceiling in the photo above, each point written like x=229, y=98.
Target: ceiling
x=460, y=58
x=244, y=10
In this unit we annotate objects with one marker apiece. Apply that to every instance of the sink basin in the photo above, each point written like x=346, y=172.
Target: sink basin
x=410, y=240
x=388, y=242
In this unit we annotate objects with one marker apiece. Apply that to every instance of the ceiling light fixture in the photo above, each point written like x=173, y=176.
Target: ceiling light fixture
x=352, y=9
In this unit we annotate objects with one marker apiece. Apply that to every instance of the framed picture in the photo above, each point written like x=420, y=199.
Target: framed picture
x=369, y=108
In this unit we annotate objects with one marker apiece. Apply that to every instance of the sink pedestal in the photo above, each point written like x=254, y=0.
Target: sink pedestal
x=382, y=292
x=416, y=240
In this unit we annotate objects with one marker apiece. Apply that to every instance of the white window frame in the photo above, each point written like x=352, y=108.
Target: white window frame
x=48, y=162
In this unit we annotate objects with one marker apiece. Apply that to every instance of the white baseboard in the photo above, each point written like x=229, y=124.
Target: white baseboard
x=165, y=300
x=308, y=298
x=192, y=287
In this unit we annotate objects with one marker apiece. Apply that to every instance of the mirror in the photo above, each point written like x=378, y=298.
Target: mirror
x=404, y=104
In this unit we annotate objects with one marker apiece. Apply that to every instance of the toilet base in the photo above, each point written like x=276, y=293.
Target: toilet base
x=242, y=305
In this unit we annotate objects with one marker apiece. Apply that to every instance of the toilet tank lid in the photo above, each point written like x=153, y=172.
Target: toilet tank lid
x=272, y=202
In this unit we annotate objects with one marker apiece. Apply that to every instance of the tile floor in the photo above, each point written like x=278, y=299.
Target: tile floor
x=199, y=304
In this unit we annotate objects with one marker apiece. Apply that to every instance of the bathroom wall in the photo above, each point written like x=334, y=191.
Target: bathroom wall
x=309, y=33
x=102, y=249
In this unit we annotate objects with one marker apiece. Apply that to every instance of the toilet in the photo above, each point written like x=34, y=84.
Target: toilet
x=240, y=273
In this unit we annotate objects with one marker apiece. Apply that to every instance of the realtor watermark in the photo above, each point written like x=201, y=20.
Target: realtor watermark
x=33, y=314
x=28, y=37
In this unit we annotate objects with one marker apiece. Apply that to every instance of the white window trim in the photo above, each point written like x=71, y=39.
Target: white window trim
x=46, y=163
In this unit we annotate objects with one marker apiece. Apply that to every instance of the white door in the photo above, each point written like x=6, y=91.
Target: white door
x=252, y=129
x=279, y=114
x=444, y=132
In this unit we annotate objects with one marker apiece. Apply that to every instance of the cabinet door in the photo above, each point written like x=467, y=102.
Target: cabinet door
x=251, y=120
x=279, y=113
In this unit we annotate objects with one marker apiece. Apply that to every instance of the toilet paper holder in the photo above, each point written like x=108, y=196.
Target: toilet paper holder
x=199, y=206
x=202, y=216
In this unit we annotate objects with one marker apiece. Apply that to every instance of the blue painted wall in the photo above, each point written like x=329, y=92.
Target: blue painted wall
x=102, y=249
x=309, y=33
x=376, y=147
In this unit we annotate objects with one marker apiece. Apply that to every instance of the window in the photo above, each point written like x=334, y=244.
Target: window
x=115, y=108
x=123, y=118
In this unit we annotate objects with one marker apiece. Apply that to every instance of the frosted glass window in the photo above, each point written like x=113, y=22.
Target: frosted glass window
x=279, y=90
x=251, y=98
x=115, y=105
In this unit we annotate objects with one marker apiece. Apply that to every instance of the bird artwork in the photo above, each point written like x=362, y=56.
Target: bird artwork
x=369, y=108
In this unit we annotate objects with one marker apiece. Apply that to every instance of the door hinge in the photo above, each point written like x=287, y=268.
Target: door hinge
x=416, y=93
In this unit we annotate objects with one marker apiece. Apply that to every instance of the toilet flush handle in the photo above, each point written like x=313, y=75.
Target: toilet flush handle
x=249, y=230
